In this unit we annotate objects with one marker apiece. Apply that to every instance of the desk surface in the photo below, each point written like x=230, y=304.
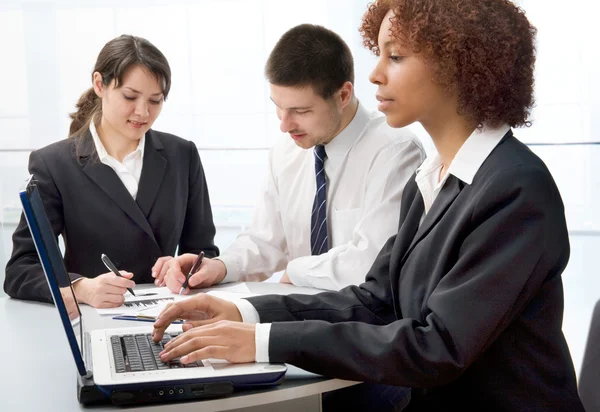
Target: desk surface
x=38, y=372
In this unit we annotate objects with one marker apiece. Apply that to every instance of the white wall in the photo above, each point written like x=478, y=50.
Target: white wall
x=219, y=98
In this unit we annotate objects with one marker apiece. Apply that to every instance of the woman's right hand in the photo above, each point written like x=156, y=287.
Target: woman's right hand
x=104, y=291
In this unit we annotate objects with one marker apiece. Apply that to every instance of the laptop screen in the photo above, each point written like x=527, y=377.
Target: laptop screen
x=54, y=269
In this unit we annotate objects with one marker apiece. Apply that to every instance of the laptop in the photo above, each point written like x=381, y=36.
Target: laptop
x=122, y=365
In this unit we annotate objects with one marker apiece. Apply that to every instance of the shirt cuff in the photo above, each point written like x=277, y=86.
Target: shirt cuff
x=247, y=310
x=262, y=331
x=261, y=340
x=233, y=268
x=313, y=271
x=296, y=271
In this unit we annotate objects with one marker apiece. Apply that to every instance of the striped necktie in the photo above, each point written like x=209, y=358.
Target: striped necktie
x=318, y=220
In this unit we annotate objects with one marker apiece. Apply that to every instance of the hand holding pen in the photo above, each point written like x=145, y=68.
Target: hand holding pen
x=194, y=269
x=111, y=266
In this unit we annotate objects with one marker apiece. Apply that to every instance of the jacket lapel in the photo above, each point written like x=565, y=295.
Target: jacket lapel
x=409, y=225
x=451, y=189
x=109, y=182
x=152, y=175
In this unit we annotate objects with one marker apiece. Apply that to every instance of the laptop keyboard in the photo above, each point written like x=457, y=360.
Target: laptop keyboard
x=138, y=353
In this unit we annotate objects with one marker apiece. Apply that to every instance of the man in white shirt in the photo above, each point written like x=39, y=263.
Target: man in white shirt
x=332, y=194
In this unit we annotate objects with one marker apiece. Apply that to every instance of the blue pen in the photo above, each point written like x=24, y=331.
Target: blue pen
x=142, y=318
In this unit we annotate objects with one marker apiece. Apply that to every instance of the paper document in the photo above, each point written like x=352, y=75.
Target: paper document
x=135, y=304
x=229, y=295
x=151, y=301
x=233, y=288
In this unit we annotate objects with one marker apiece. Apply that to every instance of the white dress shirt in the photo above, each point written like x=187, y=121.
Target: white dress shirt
x=464, y=166
x=130, y=170
x=367, y=166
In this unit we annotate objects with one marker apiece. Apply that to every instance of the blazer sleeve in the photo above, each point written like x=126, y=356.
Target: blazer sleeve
x=198, y=232
x=25, y=277
x=515, y=246
x=370, y=302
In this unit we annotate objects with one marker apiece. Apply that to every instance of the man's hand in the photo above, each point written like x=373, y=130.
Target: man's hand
x=104, y=291
x=198, y=310
x=232, y=341
x=181, y=263
x=159, y=270
x=285, y=278
x=211, y=272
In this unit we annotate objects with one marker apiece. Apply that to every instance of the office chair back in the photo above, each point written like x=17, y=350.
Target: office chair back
x=589, y=378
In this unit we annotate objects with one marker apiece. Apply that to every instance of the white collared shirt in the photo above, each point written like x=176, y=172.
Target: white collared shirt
x=130, y=170
x=464, y=166
x=367, y=166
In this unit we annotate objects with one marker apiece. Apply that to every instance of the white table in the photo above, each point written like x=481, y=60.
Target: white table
x=39, y=374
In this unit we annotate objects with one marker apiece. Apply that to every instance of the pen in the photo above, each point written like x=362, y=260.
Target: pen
x=113, y=269
x=193, y=270
x=142, y=318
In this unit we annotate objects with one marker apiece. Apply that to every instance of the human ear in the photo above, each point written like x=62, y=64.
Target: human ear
x=98, y=84
x=345, y=94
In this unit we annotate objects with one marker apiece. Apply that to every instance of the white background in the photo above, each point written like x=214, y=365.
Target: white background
x=219, y=98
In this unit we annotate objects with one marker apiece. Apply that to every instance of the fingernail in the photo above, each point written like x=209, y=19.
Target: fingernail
x=153, y=274
x=183, y=359
x=156, y=282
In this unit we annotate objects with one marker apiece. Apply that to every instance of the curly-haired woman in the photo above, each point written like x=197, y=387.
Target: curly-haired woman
x=464, y=305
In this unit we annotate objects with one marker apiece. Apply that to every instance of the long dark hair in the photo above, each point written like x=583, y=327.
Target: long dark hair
x=116, y=57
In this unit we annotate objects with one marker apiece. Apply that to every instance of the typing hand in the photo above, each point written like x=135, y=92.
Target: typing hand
x=232, y=341
x=211, y=272
x=159, y=270
x=198, y=310
x=104, y=291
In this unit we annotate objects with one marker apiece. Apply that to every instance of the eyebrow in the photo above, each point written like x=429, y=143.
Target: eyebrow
x=389, y=43
x=292, y=108
x=138, y=92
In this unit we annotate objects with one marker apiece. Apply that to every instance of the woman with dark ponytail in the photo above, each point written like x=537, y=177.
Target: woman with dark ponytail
x=116, y=186
x=88, y=104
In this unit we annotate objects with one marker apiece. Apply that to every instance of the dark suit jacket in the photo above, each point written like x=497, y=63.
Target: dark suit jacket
x=88, y=204
x=466, y=308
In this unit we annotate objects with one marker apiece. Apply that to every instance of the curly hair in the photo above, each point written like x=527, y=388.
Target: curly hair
x=482, y=49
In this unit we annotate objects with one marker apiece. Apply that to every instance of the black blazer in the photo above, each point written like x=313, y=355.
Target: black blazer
x=88, y=204
x=466, y=308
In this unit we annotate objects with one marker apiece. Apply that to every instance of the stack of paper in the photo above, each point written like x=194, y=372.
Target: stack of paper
x=149, y=303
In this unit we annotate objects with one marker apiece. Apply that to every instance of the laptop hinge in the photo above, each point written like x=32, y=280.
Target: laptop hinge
x=87, y=353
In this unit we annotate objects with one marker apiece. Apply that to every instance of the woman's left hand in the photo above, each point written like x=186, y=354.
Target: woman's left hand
x=232, y=341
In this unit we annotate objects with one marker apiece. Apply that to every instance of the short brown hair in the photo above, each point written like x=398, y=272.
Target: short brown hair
x=483, y=49
x=311, y=55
